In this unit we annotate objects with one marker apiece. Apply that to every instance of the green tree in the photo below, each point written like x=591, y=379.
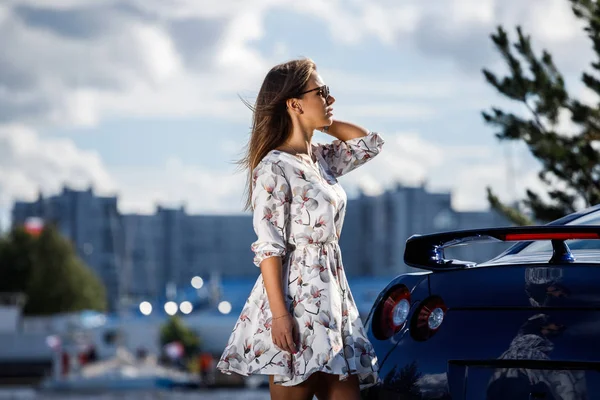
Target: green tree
x=49, y=272
x=570, y=163
x=17, y=260
x=174, y=330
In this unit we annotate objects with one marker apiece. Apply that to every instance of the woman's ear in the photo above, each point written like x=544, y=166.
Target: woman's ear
x=294, y=106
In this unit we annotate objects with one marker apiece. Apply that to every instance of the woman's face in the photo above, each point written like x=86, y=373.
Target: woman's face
x=316, y=103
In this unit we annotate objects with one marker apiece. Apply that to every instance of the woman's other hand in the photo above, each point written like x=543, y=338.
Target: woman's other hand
x=284, y=333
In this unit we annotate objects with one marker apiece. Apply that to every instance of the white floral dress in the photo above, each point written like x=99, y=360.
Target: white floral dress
x=299, y=209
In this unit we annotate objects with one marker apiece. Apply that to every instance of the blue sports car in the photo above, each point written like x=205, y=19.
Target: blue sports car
x=523, y=325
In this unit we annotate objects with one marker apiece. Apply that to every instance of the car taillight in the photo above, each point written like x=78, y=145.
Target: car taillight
x=428, y=318
x=392, y=313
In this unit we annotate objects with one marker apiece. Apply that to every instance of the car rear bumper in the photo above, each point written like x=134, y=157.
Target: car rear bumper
x=523, y=379
x=495, y=380
x=494, y=354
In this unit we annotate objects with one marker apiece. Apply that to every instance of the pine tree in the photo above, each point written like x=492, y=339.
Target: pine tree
x=570, y=162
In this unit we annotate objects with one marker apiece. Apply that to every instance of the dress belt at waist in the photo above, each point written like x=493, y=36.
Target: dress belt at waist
x=315, y=244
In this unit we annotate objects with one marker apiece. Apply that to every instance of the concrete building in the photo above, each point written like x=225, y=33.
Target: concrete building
x=137, y=256
x=173, y=246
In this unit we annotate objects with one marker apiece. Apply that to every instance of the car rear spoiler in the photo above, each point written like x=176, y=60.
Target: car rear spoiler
x=427, y=251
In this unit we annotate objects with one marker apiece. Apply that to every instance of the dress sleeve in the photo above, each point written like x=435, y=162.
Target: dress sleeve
x=271, y=197
x=342, y=157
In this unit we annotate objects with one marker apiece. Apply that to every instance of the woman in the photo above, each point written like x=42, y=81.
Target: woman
x=300, y=324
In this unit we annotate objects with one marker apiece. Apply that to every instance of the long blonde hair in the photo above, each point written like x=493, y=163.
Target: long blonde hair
x=271, y=123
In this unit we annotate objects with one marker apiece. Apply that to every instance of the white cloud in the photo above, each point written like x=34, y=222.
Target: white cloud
x=471, y=194
x=458, y=30
x=30, y=164
x=185, y=96
x=175, y=184
x=465, y=171
x=398, y=111
x=386, y=22
x=46, y=81
x=558, y=23
x=435, y=87
x=235, y=51
x=58, y=4
x=400, y=97
x=84, y=62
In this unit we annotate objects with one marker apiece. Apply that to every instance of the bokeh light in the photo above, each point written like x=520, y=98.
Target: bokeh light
x=185, y=307
x=224, y=307
x=197, y=282
x=145, y=308
x=171, y=307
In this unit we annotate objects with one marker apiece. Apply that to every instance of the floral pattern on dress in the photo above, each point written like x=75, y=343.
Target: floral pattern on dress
x=299, y=209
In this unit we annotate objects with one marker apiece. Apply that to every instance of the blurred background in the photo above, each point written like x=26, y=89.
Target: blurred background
x=124, y=253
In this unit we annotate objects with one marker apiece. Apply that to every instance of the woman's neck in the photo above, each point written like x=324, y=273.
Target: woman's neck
x=300, y=141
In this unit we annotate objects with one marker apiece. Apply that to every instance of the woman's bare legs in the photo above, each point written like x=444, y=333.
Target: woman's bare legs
x=331, y=388
x=320, y=384
x=302, y=391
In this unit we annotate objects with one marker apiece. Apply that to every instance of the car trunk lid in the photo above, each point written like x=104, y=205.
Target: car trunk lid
x=520, y=286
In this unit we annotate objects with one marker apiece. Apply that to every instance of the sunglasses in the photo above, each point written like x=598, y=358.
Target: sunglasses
x=323, y=91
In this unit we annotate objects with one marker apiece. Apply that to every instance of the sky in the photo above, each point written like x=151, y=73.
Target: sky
x=142, y=98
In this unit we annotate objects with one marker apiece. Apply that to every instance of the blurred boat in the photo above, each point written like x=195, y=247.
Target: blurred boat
x=122, y=372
